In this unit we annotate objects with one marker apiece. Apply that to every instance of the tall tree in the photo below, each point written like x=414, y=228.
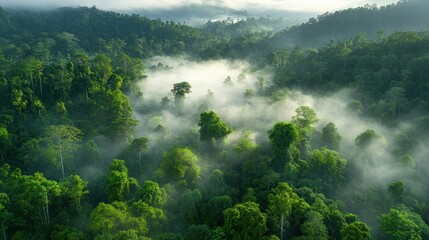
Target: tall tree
x=212, y=128
x=64, y=139
x=400, y=223
x=4, y=213
x=118, y=181
x=330, y=137
x=245, y=221
x=152, y=194
x=114, y=221
x=305, y=119
x=180, y=90
x=281, y=136
x=280, y=203
x=355, y=231
x=180, y=164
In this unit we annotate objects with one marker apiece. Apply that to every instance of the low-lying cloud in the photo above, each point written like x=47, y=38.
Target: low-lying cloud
x=316, y=6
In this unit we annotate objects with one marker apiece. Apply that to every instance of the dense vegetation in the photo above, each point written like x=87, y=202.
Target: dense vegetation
x=73, y=165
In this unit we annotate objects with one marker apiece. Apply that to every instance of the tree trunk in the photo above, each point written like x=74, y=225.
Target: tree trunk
x=40, y=84
x=4, y=231
x=62, y=162
x=47, y=208
x=44, y=216
x=281, y=227
x=32, y=82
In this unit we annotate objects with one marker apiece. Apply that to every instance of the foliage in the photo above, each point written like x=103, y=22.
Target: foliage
x=245, y=221
x=180, y=164
x=212, y=127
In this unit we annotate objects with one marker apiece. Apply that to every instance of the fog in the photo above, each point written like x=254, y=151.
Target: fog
x=315, y=6
x=373, y=167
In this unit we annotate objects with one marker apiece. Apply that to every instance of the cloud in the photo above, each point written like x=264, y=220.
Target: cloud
x=317, y=6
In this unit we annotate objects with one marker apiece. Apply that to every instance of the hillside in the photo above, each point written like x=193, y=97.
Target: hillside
x=115, y=126
x=374, y=21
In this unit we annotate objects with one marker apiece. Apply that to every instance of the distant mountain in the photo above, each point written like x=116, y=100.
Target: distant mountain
x=199, y=14
x=192, y=14
x=406, y=15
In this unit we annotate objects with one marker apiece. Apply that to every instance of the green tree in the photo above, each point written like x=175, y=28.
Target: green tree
x=118, y=181
x=394, y=102
x=212, y=127
x=152, y=194
x=18, y=100
x=396, y=190
x=180, y=164
x=245, y=221
x=180, y=90
x=281, y=136
x=73, y=190
x=400, y=224
x=155, y=217
x=355, y=231
x=64, y=140
x=304, y=120
x=328, y=165
x=280, y=203
x=114, y=221
x=5, y=142
x=313, y=227
x=330, y=137
x=4, y=213
x=189, y=201
x=139, y=145
x=215, y=208
x=366, y=138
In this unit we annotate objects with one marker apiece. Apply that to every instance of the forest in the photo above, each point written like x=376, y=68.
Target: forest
x=117, y=126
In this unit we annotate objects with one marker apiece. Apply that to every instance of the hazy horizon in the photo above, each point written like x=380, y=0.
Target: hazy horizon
x=304, y=6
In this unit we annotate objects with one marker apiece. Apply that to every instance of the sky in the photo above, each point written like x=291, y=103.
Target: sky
x=316, y=6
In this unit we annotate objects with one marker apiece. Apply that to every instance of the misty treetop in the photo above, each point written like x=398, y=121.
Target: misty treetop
x=271, y=150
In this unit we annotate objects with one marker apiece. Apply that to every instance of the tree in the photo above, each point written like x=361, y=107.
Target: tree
x=355, y=106
x=228, y=82
x=180, y=164
x=64, y=139
x=114, y=221
x=189, y=201
x=5, y=142
x=215, y=208
x=18, y=101
x=212, y=127
x=304, y=120
x=330, y=137
x=313, y=227
x=117, y=111
x=366, y=138
x=280, y=203
x=139, y=145
x=118, y=182
x=154, y=217
x=328, y=165
x=400, y=224
x=4, y=213
x=73, y=190
x=180, y=90
x=355, y=231
x=245, y=221
x=394, y=101
x=395, y=190
x=281, y=136
x=152, y=194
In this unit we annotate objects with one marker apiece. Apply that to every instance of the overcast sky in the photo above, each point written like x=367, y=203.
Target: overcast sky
x=317, y=6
